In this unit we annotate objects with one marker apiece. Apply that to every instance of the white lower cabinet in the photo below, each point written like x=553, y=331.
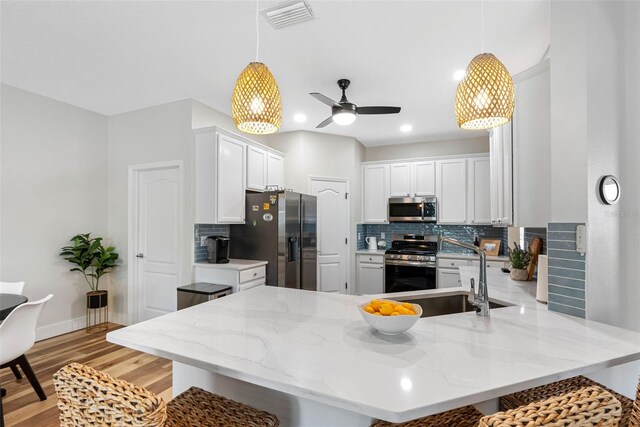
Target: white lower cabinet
x=240, y=278
x=370, y=274
x=448, y=278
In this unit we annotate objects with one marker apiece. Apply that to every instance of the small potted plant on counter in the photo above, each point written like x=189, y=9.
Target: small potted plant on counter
x=519, y=259
x=93, y=260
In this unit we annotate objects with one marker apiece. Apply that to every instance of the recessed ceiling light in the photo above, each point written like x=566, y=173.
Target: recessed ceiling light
x=459, y=75
x=300, y=118
x=406, y=128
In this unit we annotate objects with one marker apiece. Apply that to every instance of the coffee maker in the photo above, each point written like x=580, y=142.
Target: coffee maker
x=218, y=249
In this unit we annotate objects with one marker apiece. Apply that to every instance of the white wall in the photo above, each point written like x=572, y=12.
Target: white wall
x=595, y=104
x=155, y=134
x=428, y=149
x=318, y=154
x=54, y=183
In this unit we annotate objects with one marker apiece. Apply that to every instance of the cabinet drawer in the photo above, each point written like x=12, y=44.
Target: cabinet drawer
x=252, y=274
x=372, y=259
x=452, y=263
x=494, y=265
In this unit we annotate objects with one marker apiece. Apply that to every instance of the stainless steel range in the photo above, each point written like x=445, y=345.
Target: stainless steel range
x=410, y=263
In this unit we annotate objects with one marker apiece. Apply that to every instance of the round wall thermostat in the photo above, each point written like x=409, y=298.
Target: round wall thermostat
x=609, y=190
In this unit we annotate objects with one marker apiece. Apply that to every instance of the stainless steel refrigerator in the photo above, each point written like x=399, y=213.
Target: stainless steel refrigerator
x=280, y=227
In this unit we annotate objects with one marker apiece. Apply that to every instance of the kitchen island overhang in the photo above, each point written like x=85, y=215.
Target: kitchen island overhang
x=309, y=356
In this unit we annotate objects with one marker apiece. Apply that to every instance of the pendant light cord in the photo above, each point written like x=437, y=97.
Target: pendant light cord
x=257, y=29
x=482, y=24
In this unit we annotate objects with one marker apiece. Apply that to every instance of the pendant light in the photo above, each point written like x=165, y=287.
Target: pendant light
x=255, y=105
x=485, y=97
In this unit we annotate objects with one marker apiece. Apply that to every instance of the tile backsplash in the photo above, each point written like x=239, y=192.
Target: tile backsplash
x=530, y=233
x=465, y=233
x=200, y=230
x=566, y=271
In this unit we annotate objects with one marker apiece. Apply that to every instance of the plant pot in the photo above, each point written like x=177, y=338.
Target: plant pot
x=521, y=274
x=97, y=299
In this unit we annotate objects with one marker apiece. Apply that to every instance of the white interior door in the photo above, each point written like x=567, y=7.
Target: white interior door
x=157, y=241
x=333, y=233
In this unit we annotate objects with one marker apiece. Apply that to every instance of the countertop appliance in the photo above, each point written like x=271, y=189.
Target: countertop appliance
x=280, y=227
x=412, y=209
x=410, y=263
x=197, y=293
x=218, y=249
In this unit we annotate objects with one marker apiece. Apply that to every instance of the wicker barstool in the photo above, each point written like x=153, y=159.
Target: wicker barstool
x=535, y=394
x=88, y=397
x=587, y=407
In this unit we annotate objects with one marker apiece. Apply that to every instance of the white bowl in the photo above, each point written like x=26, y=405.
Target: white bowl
x=391, y=325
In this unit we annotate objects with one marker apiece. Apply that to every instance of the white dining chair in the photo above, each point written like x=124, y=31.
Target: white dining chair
x=17, y=336
x=11, y=287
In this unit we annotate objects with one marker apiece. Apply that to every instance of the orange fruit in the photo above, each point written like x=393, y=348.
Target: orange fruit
x=386, y=309
x=375, y=304
x=369, y=309
x=407, y=305
x=395, y=313
x=377, y=314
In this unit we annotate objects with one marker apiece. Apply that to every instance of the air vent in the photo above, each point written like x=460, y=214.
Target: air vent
x=288, y=13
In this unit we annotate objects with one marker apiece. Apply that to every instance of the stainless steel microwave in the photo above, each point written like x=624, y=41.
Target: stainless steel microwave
x=412, y=209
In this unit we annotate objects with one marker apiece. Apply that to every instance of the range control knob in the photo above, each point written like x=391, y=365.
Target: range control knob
x=410, y=258
x=421, y=258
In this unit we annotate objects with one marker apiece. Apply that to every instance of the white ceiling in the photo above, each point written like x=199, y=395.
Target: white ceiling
x=119, y=56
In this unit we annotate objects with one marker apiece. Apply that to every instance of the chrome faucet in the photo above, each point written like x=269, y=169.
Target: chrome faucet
x=481, y=300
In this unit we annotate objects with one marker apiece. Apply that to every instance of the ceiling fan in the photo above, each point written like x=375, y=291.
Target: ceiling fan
x=344, y=112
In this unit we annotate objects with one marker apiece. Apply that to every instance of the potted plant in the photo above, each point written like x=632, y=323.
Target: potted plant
x=519, y=260
x=93, y=260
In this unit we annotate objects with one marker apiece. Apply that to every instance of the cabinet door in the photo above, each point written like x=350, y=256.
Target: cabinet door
x=205, y=171
x=424, y=179
x=275, y=170
x=230, y=186
x=452, y=191
x=400, y=180
x=448, y=278
x=370, y=279
x=479, y=191
x=375, y=193
x=501, y=177
x=256, y=168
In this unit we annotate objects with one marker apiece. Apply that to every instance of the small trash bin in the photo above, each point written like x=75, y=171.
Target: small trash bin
x=197, y=293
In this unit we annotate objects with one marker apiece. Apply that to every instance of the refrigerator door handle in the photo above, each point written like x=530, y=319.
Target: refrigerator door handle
x=292, y=249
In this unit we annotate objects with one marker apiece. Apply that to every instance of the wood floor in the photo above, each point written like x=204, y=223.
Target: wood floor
x=23, y=408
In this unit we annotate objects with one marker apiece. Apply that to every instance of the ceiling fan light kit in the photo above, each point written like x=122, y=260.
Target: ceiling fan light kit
x=344, y=113
x=485, y=97
x=255, y=104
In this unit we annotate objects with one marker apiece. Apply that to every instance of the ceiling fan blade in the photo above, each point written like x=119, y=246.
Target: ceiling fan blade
x=326, y=122
x=324, y=99
x=378, y=110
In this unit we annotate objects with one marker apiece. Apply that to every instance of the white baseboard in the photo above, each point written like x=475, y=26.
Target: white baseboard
x=59, y=328
x=66, y=326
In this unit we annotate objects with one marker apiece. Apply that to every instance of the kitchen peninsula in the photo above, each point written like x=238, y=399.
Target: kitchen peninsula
x=309, y=357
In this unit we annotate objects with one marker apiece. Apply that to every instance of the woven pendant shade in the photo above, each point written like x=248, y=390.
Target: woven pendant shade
x=485, y=97
x=255, y=104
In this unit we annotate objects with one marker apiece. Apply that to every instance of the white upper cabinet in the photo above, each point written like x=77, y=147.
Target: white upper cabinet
x=256, y=168
x=375, y=193
x=400, y=180
x=451, y=191
x=424, y=178
x=275, y=170
x=479, y=193
x=520, y=153
x=220, y=178
x=230, y=206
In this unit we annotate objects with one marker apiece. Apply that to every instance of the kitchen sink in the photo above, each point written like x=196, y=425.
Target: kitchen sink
x=447, y=304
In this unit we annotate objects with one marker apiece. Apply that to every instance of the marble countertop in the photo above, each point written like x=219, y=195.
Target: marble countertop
x=447, y=255
x=233, y=264
x=368, y=252
x=316, y=345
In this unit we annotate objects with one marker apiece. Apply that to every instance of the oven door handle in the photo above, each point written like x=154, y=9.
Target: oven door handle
x=411, y=263
x=423, y=203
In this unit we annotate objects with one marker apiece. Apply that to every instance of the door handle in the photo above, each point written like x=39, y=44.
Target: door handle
x=140, y=255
